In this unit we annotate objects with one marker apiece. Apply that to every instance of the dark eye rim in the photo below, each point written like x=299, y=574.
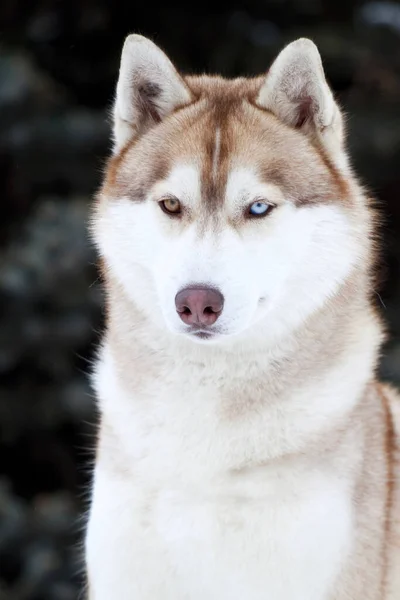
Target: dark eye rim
x=269, y=205
x=170, y=213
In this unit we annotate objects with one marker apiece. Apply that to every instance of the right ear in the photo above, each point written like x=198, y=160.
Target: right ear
x=148, y=89
x=296, y=91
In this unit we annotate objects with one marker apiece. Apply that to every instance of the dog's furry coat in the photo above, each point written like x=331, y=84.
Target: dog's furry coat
x=256, y=459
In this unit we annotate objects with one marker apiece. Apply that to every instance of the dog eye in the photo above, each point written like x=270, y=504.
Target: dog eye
x=171, y=206
x=259, y=209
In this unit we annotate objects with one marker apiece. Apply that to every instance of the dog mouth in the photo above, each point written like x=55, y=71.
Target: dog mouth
x=203, y=335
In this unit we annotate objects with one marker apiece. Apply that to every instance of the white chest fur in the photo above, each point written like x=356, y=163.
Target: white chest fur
x=191, y=506
x=259, y=539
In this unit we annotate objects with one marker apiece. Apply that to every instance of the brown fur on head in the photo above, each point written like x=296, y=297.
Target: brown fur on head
x=239, y=108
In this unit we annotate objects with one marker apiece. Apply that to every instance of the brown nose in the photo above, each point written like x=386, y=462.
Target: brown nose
x=199, y=306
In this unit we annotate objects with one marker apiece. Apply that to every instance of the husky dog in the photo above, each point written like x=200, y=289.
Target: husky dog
x=246, y=450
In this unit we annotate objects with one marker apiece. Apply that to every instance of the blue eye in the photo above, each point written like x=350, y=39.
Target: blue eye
x=259, y=209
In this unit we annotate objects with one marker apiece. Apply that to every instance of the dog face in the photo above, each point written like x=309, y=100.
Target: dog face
x=226, y=208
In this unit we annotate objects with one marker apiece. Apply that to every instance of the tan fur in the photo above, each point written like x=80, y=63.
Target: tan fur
x=285, y=156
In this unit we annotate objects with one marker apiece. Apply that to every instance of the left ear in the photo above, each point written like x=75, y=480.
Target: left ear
x=149, y=88
x=296, y=91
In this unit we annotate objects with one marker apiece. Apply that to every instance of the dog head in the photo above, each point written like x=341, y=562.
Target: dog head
x=228, y=206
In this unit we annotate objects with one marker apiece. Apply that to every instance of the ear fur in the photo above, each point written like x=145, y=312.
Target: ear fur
x=148, y=89
x=296, y=91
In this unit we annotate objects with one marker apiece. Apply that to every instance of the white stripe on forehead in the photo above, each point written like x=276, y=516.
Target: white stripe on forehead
x=217, y=152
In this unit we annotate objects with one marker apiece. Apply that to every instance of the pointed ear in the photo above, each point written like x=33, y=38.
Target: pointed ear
x=296, y=91
x=148, y=89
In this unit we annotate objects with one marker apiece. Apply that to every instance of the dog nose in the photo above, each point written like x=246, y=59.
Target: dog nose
x=199, y=306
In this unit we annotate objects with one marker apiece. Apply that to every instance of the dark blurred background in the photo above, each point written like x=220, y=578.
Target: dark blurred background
x=58, y=67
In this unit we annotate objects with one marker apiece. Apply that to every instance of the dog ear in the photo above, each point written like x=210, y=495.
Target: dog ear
x=148, y=89
x=296, y=91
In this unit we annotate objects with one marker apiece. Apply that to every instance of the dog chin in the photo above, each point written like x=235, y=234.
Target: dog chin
x=206, y=337
x=211, y=337
x=202, y=336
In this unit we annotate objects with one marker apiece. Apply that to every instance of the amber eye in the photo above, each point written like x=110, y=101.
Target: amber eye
x=171, y=206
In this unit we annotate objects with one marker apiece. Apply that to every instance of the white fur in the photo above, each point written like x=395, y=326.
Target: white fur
x=179, y=523
x=211, y=479
x=182, y=542
x=149, y=251
x=217, y=152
